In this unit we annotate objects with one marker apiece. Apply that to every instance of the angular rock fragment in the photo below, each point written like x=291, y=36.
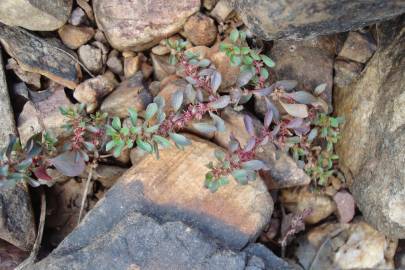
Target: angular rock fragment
x=75, y=36
x=91, y=57
x=129, y=94
x=92, y=91
x=36, y=55
x=358, y=47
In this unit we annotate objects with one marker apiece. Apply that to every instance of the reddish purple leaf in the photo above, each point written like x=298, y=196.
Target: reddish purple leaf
x=69, y=163
x=41, y=173
x=249, y=125
x=345, y=206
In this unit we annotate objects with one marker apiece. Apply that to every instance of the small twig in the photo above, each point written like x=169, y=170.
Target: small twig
x=31, y=259
x=86, y=190
x=321, y=247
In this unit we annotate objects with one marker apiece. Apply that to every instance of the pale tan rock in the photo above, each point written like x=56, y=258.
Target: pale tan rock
x=358, y=47
x=75, y=36
x=229, y=72
x=209, y=4
x=29, y=122
x=39, y=15
x=357, y=246
x=246, y=209
x=169, y=89
x=91, y=57
x=91, y=91
x=139, y=25
x=284, y=171
x=161, y=50
x=161, y=67
x=147, y=70
x=201, y=30
x=221, y=10
x=298, y=199
x=132, y=65
x=114, y=63
x=129, y=94
x=373, y=108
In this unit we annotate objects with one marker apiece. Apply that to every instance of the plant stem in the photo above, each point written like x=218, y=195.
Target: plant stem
x=86, y=190
x=31, y=259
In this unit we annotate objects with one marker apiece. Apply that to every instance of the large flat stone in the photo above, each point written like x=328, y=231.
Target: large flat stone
x=371, y=150
x=309, y=18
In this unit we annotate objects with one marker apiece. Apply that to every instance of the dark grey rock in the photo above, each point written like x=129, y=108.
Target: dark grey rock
x=115, y=236
x=309, y=62
x=371, y=150
x=17, y=225
x=346, y=72
x=309, y=18
x=16, y=217
x=36, y=55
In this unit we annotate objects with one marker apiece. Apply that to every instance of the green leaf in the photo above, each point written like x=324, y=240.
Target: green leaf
x=118, y=149
x=224, y=46
x=124, y=131
x=334, y=122
x=270, y=63
x=264, y=73
x=204, y=127
x=236, y=50
x=223, y=181
x=89, y=146
x=177, y=100
x=212, y=185
x=133, y=116
x=110, y=145
x=162, y=141
x=236, y=60
x=135, y=130
x=145, y=146
x=221, y=102
x=130, y=143
x=4, y=170
x=219, y=123
x=220, y=155
x=245, y=50
x=255, y=55
x=255, y=165
x=204, y=63
x=234, y=35
x=247, y=60
x=23, y=165
x=150, y=111
x=179, y=139
x=296, y=110
x=152, y=129
x=116, y=123
x=240, y=176
x=172, y=59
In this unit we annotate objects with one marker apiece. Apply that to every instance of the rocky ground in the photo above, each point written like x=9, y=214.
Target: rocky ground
x=147, y=213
